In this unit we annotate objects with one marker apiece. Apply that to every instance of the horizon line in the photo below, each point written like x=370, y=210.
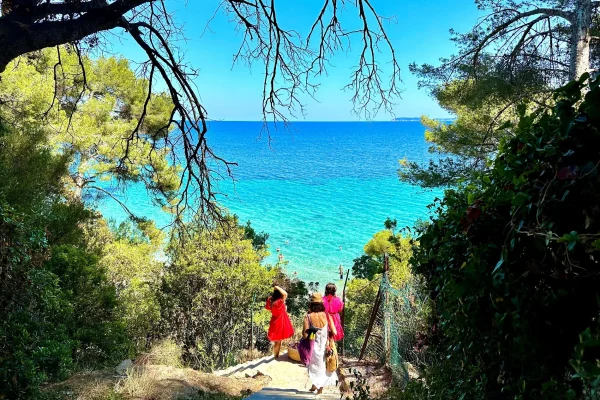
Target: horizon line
x=399, y=119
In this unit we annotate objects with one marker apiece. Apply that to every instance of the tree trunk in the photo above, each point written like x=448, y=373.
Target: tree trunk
x=580, y=39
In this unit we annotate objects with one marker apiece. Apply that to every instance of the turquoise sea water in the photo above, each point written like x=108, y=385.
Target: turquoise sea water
x=320, y=189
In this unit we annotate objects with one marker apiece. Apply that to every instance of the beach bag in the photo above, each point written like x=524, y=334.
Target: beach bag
x=305, y=346
x=331, y=357
x=305, y=349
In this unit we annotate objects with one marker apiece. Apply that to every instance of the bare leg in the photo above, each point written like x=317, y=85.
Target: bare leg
x=276, y=348
x=320, y=391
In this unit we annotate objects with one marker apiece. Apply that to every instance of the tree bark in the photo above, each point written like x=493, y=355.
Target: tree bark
x=580, y=39
x=19, y=36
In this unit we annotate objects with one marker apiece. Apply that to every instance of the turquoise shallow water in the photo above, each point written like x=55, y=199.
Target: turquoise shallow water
x=314, y=188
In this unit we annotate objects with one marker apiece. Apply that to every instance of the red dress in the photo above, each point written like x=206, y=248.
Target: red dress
x=280, y=327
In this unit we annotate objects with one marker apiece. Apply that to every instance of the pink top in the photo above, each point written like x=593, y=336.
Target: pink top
x=333, y=306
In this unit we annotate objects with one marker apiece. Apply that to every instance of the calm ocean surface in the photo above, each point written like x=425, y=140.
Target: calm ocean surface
x=320, y=189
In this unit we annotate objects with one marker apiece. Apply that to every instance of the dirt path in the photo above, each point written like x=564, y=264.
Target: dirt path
x=289, y=379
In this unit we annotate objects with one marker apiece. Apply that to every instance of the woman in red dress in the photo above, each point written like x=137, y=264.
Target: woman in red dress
x=280, y=327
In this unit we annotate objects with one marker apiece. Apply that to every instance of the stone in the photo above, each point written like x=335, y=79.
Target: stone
x=124, y=366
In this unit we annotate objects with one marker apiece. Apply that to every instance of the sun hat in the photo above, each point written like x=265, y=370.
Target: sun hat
x=316, y=298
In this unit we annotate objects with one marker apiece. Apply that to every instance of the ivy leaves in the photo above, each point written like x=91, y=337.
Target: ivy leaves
x=510, y=260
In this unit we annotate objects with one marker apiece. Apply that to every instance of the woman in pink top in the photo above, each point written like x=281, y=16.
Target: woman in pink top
x=333, y=307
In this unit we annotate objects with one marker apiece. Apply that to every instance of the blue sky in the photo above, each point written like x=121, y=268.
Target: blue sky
x=233, y=92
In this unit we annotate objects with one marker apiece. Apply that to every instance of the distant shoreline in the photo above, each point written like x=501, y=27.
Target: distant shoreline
x=418, y=119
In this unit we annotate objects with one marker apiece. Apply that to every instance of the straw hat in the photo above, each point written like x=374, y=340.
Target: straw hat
x=316, y=298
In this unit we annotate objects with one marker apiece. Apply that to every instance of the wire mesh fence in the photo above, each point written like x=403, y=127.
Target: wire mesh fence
x=387, y=334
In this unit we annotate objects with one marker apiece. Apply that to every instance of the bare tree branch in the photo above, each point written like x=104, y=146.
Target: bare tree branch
x=291, y=65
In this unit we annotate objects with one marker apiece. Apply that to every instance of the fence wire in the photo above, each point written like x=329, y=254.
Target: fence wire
x=397, y=321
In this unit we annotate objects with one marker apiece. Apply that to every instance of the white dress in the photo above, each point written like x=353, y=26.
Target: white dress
x=317, y=372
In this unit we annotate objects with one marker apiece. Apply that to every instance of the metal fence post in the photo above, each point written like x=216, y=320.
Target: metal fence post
x=344, y=309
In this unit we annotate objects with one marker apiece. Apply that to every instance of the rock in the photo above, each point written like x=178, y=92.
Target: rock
x=122, y=368
x=413, y=373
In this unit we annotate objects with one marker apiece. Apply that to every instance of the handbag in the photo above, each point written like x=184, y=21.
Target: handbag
x=331, y=356
x=306, y=345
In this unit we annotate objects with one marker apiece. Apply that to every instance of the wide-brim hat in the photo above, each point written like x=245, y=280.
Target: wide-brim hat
x=316, y=298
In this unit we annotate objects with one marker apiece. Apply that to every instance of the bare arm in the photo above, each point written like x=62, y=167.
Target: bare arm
x=283, y=292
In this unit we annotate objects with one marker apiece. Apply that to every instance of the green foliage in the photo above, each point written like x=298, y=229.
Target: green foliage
x=360, y=387
x=480, y=106
x=379, y=244
x=95, y=324
x=298, y=294
x=65, y=313
x=166, y=352
x=35, y=346
x=90, y=117
x=360, y=296
x=207, y=291
x=130, y=259
x=366, y=267
x=259, y=240
x=30, y=174
x=510, y=261
x=586, y=361
x=399, y=250
x=56, y=306
x=77, y=292
x=390, y=224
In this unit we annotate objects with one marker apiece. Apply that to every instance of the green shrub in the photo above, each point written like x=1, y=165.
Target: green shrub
x=94, y=323
x=511, y=263
x=130, y=261
x=360, y=294
x=166, y=352
x=207, y=292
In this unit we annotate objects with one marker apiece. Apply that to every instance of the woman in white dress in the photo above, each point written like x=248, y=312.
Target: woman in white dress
x=317, y=318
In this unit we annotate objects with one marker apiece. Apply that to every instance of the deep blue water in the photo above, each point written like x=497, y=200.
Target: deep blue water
x=320, y=189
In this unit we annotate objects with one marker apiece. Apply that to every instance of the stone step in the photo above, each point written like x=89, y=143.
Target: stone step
x=245, y=367
x=274, y=393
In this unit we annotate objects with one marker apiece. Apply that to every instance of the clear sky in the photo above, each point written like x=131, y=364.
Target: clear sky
x=233, y=92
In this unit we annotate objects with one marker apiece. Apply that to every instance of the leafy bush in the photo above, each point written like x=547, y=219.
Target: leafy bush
x=511, y=263
x=360, y=295
x=366, y=267
x=298, y=294
x=94, y=323
x=130, y=261
x=207, y=292
x=56, y=306
x=166, y=352
x=397, y=247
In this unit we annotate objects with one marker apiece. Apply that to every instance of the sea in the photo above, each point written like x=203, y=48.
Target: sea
x=319, y=189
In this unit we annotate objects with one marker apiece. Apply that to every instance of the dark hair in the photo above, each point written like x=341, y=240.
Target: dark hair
x=330, y=289
x=276, y=295
x=316, y=307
